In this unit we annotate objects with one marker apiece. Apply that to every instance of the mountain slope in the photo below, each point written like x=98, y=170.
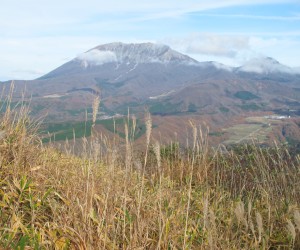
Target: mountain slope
x=165, y=81
x=120, y=56
x=124, y=74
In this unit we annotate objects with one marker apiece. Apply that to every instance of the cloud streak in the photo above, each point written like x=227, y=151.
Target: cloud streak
x=255, y=17
x=211, y=44
x=97, y=57
x=263, y=65
x=237, y=49
x=74, y=12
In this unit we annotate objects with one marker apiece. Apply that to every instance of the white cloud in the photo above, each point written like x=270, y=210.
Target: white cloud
x=257, y=17
x=284, y=49
x=263, y=65
x=218, y=45
x=236, y=49
x=211, y=44
x=25, y=16
x=97, y=57
x=222, y=66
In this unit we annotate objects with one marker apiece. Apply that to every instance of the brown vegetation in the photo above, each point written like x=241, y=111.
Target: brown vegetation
x=165, y=197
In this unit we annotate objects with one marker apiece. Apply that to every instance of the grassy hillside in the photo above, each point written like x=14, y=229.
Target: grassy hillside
x=115, y=196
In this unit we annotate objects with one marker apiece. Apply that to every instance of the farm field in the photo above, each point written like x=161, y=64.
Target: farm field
x=254, y=129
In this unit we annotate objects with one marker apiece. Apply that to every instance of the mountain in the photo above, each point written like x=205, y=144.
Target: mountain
x=266, y=65
x=144, y=53
x=165, y=81
x=124, y=74
x=121, y=55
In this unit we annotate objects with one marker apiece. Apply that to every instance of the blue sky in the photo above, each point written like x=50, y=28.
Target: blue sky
x=38, y=36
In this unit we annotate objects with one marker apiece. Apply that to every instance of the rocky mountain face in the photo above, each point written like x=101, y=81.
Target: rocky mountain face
x=118, y=56
x=144, y=53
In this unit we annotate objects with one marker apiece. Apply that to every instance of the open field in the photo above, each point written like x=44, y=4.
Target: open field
x=254, y=129
x=243, y=133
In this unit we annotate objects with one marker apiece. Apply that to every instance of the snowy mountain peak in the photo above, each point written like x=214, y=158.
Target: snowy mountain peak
x=134, y=53
x=266, y=65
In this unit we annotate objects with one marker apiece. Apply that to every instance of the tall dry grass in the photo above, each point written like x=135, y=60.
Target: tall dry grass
x=166, y=197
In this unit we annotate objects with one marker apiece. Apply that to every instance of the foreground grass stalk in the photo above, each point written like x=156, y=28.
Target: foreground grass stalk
x=190, y=183
x=148, y=122
x=159, y=172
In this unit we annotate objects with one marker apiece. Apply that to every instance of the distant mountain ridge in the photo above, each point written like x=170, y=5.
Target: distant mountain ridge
x=162, y=79
x=152, y=53
x=172, y=86
x=120, y=54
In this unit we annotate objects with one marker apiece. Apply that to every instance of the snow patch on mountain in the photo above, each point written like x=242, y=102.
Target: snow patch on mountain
x=145, y=53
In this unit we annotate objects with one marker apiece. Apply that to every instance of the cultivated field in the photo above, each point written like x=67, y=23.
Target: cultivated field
x=253, y=130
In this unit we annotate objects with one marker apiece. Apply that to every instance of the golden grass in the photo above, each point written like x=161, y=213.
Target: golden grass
x=116, y=197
